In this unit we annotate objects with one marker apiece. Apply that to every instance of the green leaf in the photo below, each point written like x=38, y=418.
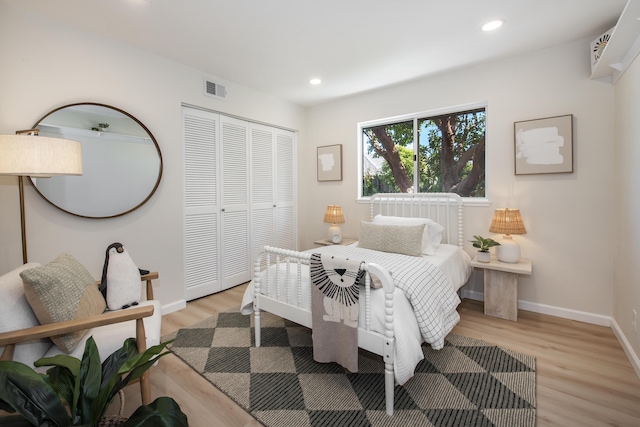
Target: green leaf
x=112, y=364
x=111, y=379
x=110, y=388
x=131, y=367
x=143, y=358
x=87, y=387
x=483, y=244
x=90, y=381
x=31, y=396
x=63, y=382
x=62, y=360
x=162, y=412
x=63, y=377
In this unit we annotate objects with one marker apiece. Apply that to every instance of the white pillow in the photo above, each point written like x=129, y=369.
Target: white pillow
x=432, y=231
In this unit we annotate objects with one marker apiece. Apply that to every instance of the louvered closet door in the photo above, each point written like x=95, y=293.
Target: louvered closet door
x=263, y=202
x=201, y=211
x=235, y=252
x=286, y=189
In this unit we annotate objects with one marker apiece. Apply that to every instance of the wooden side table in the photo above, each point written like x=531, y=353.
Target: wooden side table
x=501, y=286
x=326, y=242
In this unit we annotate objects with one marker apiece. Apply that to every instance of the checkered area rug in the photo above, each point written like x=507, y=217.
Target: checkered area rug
x=467, y=383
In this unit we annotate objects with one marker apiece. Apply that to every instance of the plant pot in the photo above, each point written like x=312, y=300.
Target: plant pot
x=483, y=256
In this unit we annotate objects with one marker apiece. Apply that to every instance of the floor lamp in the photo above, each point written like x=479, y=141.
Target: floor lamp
x=26, y=154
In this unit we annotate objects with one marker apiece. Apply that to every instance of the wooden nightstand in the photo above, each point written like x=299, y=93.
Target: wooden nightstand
x=501, y=286
x=326, y=242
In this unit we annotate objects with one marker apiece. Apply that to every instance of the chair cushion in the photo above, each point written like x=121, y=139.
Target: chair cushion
x=62, y=290
x=16, y=313
x=109, y=338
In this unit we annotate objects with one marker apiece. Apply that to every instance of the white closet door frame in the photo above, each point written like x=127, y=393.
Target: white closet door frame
x=240, y=193
x=235, y=216
x=201, y=227
x=263, y=199
x=286, y=189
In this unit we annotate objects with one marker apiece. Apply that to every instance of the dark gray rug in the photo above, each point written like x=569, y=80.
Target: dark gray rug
x=467, y=383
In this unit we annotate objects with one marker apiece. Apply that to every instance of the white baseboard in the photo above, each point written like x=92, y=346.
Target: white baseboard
x=581, y=316
x=474, y=295
x=626, y=346
x=566, y=313
x=174, y=306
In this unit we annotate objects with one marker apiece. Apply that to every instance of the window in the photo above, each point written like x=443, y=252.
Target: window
x=440, y=152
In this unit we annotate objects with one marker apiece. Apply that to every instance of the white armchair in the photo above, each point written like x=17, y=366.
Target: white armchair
x=23, y=339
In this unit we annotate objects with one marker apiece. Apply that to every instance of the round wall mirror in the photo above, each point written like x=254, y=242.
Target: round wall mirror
x=121, y=161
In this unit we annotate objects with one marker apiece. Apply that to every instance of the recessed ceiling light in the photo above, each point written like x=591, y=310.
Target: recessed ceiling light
x=315, y=81
x=492, y=25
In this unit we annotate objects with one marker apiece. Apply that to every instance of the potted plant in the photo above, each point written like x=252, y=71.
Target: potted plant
x=78, y=392
x=483, y=245
x=103, y=126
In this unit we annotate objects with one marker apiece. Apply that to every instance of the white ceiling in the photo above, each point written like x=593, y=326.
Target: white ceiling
x=277, y=46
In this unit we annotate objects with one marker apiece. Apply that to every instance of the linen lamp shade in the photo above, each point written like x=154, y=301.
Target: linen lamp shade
x=31, y=155
x=28, y=155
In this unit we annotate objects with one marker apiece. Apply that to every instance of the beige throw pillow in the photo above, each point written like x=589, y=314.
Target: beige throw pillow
x=62, y=290
x=400, y=239
x=431, y=237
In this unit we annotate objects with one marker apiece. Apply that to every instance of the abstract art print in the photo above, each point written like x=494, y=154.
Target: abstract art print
x=330, y=163
x=544, y=145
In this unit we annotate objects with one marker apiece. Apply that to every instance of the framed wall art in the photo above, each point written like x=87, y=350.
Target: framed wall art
x=330, y=163
x=544, y=145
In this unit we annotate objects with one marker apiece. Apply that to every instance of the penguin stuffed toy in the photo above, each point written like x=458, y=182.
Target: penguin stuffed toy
x=120, y=283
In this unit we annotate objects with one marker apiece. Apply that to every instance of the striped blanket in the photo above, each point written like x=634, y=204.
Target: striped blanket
x=426, y=287
x=428, y=299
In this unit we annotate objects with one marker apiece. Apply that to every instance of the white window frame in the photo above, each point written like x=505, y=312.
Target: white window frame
x=467, y=201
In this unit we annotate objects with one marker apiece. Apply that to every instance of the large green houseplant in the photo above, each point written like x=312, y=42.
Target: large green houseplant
x=78, y=392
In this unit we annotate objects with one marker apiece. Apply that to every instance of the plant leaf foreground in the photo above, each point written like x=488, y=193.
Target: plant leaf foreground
x=78, y=392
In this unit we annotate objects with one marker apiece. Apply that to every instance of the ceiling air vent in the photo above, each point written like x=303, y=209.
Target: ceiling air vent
x=214, y=89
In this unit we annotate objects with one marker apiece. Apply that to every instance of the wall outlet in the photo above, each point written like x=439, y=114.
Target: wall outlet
x=634, y=321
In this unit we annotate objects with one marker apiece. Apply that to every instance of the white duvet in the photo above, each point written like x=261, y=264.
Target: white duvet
x=434, y=314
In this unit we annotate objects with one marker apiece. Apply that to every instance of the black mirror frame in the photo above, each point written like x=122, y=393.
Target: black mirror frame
x=160, y=168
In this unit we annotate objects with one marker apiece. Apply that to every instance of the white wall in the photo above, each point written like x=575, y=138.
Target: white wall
x=626, y=251
x=46, y=65
x=563, y=213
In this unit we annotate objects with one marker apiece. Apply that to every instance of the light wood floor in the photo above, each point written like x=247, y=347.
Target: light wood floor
x=583, y=376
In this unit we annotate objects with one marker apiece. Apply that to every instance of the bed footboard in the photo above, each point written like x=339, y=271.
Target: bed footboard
x=282, y=287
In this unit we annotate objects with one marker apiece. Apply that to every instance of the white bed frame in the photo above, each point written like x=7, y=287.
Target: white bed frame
x=444, y=208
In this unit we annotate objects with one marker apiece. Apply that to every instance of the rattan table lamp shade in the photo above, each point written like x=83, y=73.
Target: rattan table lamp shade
x=334, y=216
x=507, y=221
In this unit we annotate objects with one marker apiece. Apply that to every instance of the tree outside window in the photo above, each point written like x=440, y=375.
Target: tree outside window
x=443, y=153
